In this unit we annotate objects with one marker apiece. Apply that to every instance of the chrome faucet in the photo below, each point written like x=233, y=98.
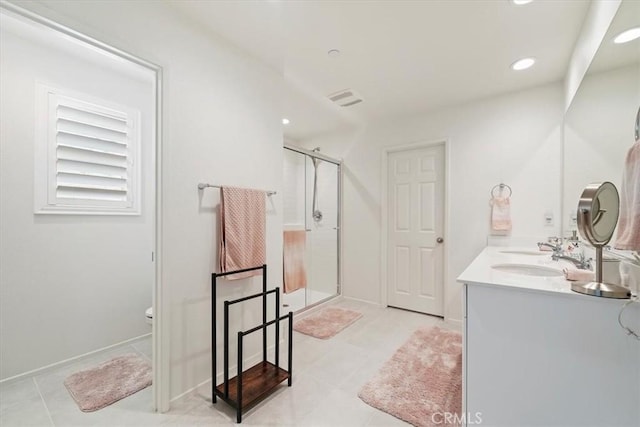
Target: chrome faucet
x=582, y=262
x=557, y=248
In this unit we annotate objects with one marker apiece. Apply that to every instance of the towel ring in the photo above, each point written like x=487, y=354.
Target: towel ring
x=501, y=186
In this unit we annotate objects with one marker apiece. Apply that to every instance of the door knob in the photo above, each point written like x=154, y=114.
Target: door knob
x=439, y=240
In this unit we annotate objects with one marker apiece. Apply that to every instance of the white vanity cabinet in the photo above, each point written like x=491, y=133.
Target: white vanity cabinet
x=537, y=354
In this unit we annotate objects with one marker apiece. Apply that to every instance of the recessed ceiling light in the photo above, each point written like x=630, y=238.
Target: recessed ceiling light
x=285, y=121
x=523, y=64
x=627, y=36
x=521, y=2
x=333, y=53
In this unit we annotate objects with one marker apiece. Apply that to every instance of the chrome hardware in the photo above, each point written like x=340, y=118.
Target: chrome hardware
x=582, y=262
x=500, y=187
x=203, y=185
x=557, y=248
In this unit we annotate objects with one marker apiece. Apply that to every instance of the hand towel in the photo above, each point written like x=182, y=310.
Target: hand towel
x=578, y=275
x=500, y=214
x=628, y=236
x=295, y=275
x=242, y=231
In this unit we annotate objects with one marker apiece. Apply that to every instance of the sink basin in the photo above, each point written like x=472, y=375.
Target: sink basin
x=525, y=252
x=528, y=270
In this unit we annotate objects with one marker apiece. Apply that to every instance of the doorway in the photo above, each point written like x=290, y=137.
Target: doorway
x=415, y=227
x=79, y=211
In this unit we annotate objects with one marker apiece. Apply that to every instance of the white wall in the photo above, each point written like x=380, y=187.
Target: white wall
x=222, y=124
x=594, y=28
x=515, y=139
x=64, y=276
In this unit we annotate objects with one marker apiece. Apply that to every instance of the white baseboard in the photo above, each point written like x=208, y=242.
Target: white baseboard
x=69, y=360
x=377, y=304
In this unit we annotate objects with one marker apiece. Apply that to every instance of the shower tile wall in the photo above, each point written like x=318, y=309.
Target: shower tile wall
x=293, y=198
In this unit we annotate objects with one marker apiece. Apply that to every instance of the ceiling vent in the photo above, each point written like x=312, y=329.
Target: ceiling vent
x=346, y=98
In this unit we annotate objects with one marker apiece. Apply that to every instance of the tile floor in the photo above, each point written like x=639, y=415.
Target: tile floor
x=327, y=375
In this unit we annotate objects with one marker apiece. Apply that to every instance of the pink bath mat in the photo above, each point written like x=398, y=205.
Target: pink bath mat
x=95, y=388
x=327, y=322
x=422, y=382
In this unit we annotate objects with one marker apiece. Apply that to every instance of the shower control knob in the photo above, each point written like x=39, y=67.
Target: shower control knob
x=439, y=240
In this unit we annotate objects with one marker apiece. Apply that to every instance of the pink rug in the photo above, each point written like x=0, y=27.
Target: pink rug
x=95, y=388
x=327, y=322
x=422, y=381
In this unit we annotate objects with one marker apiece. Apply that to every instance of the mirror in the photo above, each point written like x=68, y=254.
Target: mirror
x=600, y=123
x=598, y=211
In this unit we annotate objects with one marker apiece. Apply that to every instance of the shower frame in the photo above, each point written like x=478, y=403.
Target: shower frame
x=338, y=163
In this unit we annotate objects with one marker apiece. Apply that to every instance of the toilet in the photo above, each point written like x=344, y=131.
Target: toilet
x=149, y=315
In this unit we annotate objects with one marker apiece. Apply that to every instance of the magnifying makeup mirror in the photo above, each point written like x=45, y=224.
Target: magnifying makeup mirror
x=598, y=211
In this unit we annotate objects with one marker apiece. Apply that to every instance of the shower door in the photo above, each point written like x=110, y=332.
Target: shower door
x=312, y=205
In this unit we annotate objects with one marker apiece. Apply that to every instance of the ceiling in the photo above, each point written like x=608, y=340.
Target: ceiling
x=611, y=55
x=402, y=57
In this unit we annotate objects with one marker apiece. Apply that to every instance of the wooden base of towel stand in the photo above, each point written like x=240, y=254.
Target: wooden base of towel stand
x=257, y=383
x=252, y=385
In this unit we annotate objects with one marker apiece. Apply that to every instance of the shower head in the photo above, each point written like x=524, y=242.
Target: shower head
x=313, y=159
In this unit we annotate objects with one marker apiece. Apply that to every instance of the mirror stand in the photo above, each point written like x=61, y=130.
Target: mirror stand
x=598, y=288
x=597, y=218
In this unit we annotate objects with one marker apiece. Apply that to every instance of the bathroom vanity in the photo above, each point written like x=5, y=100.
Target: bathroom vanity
x=537, y=353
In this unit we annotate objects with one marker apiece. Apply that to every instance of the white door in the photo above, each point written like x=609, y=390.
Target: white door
x=415, y=229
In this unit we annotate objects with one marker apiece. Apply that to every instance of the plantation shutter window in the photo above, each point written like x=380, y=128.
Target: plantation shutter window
x=92, y=150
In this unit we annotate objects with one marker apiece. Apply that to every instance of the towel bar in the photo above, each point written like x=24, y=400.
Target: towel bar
x=501, y=186
x=203, y=185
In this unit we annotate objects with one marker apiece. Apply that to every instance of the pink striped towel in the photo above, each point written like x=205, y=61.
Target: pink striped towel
x=500, y=214
x=629, y=224
x=242, y=231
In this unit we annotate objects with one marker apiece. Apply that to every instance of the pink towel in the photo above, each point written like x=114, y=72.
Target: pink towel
x=242, y=231
x=629, y=223
x=500, y=214
x=575, y=274
x=295, y=275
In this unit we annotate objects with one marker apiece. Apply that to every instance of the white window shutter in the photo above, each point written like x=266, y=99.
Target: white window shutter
x=92, y=148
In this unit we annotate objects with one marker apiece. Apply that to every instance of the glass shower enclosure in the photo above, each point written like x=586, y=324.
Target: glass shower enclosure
x=311, y=203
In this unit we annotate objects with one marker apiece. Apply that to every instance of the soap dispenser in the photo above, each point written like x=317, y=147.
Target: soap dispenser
x=573, y=244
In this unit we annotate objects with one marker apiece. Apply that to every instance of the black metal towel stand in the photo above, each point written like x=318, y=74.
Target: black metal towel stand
x=254, y=384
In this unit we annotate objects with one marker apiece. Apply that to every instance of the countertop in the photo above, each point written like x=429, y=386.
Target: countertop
x=480, y=272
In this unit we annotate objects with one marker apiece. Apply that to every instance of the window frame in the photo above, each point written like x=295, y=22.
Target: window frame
x=46, y=199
